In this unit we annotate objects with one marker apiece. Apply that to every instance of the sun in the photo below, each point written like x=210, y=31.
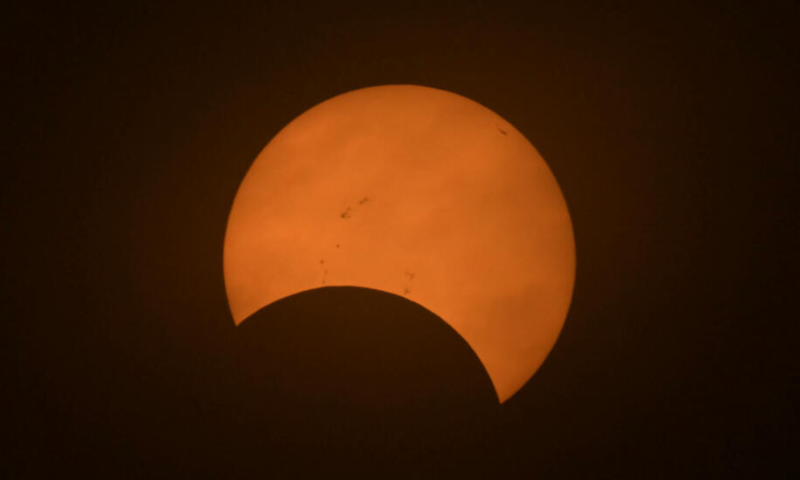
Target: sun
x=421, y=193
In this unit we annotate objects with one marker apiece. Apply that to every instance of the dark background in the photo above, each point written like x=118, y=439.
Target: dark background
x=671, y=130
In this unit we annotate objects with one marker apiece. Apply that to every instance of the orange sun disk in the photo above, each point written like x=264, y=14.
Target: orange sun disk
x=418, y=192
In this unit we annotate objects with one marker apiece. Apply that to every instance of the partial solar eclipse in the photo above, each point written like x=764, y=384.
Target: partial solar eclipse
x=418, y=192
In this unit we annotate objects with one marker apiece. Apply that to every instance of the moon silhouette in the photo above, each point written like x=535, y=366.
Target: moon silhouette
x=418, y=192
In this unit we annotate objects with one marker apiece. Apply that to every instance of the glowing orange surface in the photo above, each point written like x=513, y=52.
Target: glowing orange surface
x=417, y=192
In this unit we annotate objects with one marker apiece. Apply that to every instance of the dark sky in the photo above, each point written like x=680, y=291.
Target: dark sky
x=671, y=130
